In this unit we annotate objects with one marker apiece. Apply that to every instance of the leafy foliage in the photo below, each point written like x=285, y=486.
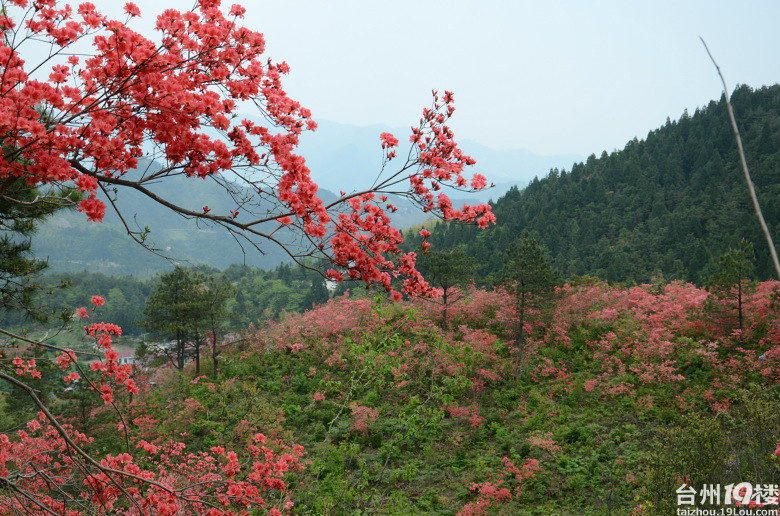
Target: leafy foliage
x=447, y=270
x=529, y=275
x=18, y=268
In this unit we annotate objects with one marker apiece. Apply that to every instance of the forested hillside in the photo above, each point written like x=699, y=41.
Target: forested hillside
x=670, y=204
x=260, y=295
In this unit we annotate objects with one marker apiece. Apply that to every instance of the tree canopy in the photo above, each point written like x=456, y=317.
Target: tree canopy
x=529, y=275
x=447, y=269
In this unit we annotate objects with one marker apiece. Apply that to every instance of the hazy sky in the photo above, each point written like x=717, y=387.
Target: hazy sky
x=550, y=76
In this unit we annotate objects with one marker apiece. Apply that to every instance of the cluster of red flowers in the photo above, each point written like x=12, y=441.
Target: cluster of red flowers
x=152, y=479
x=137, y=99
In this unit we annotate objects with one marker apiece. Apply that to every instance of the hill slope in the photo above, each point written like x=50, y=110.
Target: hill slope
x=621, y=392
x=669, y=204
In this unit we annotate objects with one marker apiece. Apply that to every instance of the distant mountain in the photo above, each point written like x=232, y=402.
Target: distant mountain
x=72, y=244
x=671, y=204
x=340, y=156
x=348, y=157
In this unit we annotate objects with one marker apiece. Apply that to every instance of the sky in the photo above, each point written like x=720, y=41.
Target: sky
x=553, y=77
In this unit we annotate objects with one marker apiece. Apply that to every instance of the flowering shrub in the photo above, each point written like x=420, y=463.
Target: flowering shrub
x=49, y=467
x=493, y=492
x=471, y=413
x=154, y=479
x=363, y=416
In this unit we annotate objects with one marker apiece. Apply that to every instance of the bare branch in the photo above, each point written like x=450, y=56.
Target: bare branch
x=750, y=185
x=40, y=343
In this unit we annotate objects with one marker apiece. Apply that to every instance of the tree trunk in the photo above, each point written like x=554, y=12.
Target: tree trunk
x=739, y=304
x=520, y=332
x=214, y=351
x=197, y=356
x=444, y=313
x=179, y=351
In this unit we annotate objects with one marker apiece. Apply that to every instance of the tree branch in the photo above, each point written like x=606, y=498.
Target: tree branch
x=750, y=185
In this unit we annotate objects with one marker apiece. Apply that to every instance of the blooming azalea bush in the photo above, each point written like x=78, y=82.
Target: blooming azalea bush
x=51, y=468
x=495, y=491
x=330, y=330
x=379, y=391
x=150, y=480
x=641, y=336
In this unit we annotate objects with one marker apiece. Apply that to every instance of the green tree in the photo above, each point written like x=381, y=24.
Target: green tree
x=317, y=292
x=215, y=312
x=529, y=275
x=173, y=312
x=18, y=220
x=446, y=269
x=22, y=208
x=732, y=280
x=23, y=205
x=189, y=308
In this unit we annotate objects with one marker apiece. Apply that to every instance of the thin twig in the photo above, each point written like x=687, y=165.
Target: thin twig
x=744, y=164
x=49, y=346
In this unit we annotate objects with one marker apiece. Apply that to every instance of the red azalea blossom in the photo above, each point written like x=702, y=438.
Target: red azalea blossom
x=478, y=182
x=87, y=183
x=388, y=140
x=132, y=9
x=94, y=208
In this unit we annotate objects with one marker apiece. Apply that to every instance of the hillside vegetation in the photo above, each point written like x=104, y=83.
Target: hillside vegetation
x=601, y=395
x=619, y=392
x=670, y=204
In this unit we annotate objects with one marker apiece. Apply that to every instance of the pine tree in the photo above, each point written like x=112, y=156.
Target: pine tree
x=446, y=269
x=18, y=267
x=172, y=312
x=529, y=275
x=189, y=308
x=214, y=298
x=732, y=280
